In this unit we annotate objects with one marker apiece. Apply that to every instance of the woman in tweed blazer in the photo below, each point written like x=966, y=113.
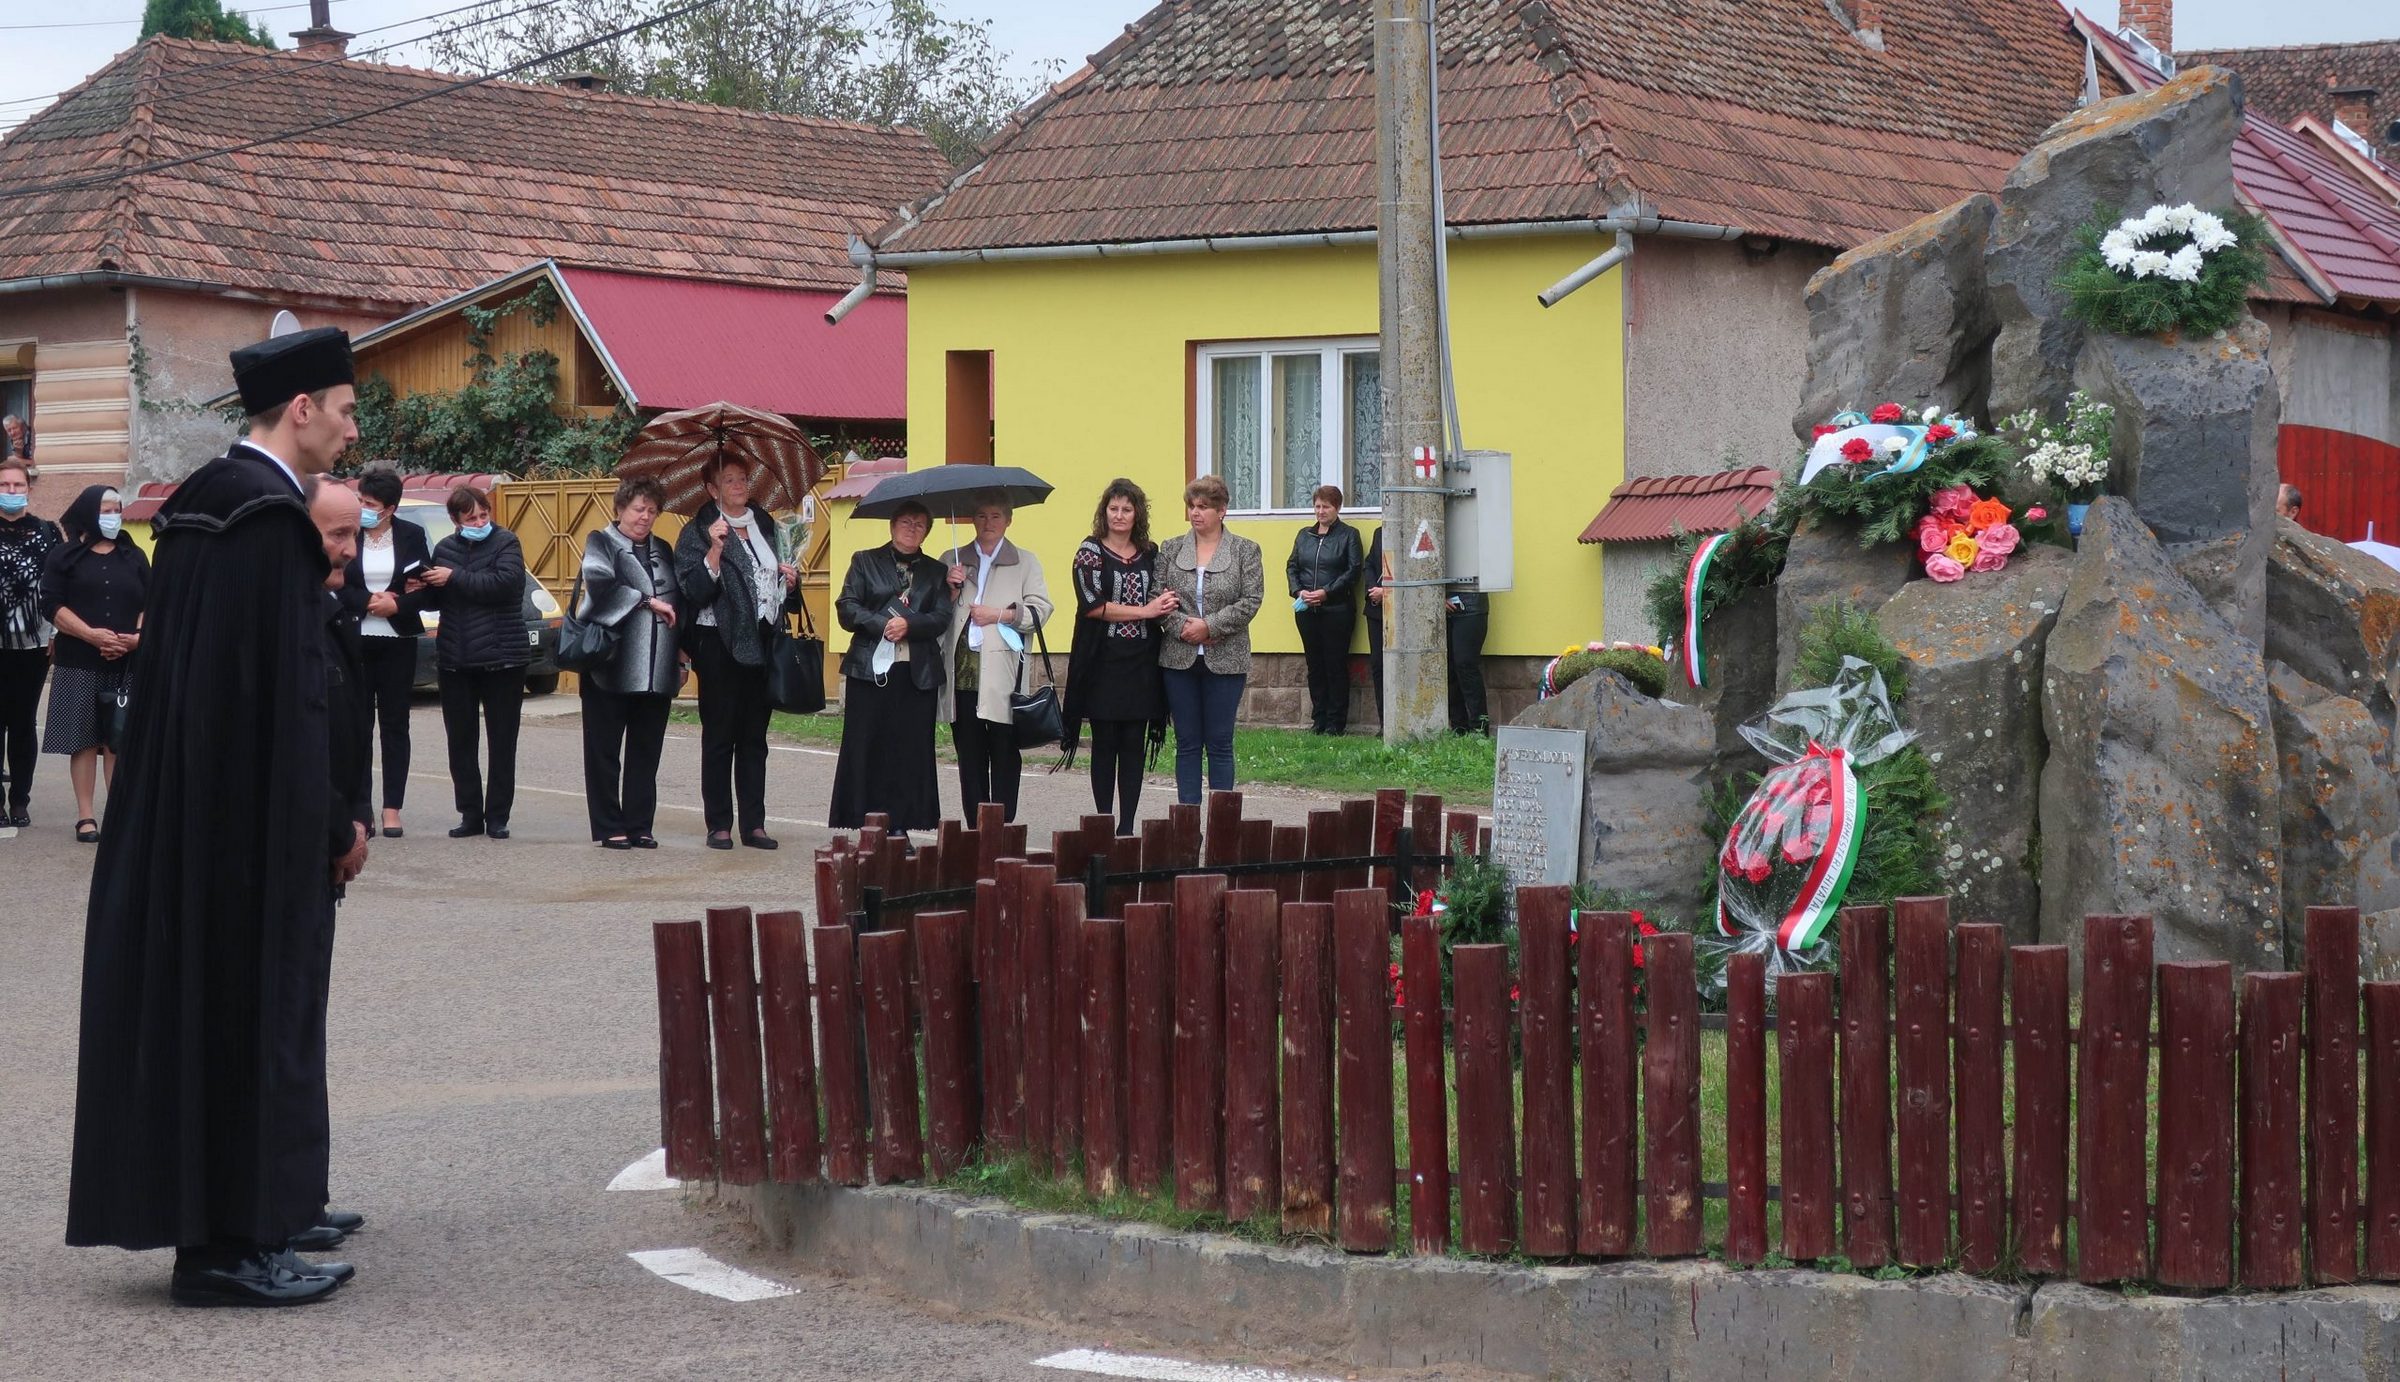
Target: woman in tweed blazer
x=1219, y=581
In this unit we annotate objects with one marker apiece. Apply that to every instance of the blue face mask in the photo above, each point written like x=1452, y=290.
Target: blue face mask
x=14, y=503
x=111, y=524
x=368, y=518
x=477, y=533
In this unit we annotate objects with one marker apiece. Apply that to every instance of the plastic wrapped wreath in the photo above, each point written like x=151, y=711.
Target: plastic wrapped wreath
x=2172, y=268
x=1788, y=859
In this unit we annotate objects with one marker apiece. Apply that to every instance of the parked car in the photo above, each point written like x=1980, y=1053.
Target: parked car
x=542, y=612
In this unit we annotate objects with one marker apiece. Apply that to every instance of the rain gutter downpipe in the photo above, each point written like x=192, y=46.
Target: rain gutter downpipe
x=1608, y=259
x=870, y=262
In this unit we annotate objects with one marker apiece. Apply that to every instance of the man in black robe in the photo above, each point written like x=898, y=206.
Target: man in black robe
x=200, y=1116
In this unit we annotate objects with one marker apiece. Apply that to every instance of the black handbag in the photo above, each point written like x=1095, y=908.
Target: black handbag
x=582, y=645
x=1036, y=714
x=114, y=707
x=796, y=668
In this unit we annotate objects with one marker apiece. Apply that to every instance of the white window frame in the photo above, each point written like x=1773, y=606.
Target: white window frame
x=1332, y=382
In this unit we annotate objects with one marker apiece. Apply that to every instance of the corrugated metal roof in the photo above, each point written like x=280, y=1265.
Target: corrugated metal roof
x=2343, y=233
x=1657, y=507
x=862, y=475
x=685, y=343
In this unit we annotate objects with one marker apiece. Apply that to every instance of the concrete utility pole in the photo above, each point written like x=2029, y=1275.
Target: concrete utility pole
x=1417, y=675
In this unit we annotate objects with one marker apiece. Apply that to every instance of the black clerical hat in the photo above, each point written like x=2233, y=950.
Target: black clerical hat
x=280, y=368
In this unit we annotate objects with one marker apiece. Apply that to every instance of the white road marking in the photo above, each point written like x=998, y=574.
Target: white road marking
x=779, y=748
x=696, y=1270
x=663, y=806
x=650, y=1173
x=1102, y=1364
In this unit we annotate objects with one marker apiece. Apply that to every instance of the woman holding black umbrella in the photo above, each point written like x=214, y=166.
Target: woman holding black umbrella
x=896, y=603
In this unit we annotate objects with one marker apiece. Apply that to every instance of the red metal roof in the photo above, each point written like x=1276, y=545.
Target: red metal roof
x=685, y=343
x=2338, y=233
x=1657, y=507
x=864, y=474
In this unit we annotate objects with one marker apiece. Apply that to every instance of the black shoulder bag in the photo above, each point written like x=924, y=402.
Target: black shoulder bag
x=1036, y=713
x=582, y=645
x=796, y=668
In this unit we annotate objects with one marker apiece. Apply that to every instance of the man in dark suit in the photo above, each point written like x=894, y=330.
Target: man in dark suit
x=208, y=943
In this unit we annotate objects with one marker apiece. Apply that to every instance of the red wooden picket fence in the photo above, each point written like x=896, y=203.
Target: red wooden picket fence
x=1234, y=1046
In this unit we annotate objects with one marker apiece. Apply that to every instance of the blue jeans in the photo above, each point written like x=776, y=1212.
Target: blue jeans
x=1201, y=703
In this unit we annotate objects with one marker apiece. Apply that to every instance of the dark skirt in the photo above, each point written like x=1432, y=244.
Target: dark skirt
x=886, y=762
x=1125, y=682
x=73, y=723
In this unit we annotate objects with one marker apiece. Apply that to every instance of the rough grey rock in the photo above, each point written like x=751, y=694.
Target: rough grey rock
x=1974, y=655
x=2333, y=616
x=1646, y=830
x=2171, y=144
x=2341, y=807
x=1741, y=684
x=1827, y=566
x=1904, y=318
x=2379, y=945
x=2161, y=792
x=2195, y=451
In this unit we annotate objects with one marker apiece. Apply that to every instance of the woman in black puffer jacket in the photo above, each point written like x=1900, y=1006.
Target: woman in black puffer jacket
x=477, y=581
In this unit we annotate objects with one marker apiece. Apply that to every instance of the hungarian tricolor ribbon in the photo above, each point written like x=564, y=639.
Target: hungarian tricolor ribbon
x=1695, y=577
x=1806, y=810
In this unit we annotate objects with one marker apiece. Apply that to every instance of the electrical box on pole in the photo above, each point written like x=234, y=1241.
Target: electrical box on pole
x=1483, y=542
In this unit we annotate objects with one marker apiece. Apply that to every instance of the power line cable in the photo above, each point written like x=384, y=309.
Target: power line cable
x=162, y=165
x=293, y=69
x=113, y=23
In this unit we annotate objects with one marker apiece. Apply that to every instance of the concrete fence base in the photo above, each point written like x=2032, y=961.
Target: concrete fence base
x=1314, y=1307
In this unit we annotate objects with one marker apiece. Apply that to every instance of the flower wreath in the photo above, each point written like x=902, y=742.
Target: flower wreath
x=1548, y=686
x=1961, y=533
x=2172, y=268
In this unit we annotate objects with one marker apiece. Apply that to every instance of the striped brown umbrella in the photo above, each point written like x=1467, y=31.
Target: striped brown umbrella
x=680, y=449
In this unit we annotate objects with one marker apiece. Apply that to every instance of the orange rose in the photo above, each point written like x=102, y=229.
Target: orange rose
x=1985, y=513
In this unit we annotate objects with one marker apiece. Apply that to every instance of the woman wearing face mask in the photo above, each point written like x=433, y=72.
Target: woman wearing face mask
x=477, y=581
x=736, y=587
x=92, y=589
x=896, y=603
x=24, y=634
x=375, y=591
x=995, y=585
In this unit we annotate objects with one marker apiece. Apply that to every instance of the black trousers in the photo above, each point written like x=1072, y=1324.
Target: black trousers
x=22, y=672
x=390, y=665
x=1325, y=643
x=990, y=765
x=490, y=699
x=1117, y=747
x=622, y=737
x=1375, y=659
x=1466, y=671
x=733, y=734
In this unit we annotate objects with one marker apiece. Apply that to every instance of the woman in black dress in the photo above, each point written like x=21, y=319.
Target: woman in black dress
x=92, y=589
x=896, y=603
x=1113, y=678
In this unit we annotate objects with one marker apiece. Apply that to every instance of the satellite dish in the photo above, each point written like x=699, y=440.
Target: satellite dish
x=285, y=325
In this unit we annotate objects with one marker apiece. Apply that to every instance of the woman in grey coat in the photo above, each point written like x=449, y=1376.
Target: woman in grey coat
x=629, y=585
x=1219, y=580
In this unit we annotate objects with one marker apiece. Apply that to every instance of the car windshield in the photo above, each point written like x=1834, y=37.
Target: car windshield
x=433, y=518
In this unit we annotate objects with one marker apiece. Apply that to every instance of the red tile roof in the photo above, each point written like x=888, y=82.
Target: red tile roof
x=684, y=343
x=1657, y=507
x=1256, y=117
x=2284, y=84
x=2338, y=239
x=864, y=474
x=430, y=486
x=410, y=206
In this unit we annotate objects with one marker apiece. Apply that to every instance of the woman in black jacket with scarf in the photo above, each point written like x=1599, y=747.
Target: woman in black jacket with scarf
x=24, y=634
x=896, y=603
x=736, y=588
x=376, y=595
x=477, y=581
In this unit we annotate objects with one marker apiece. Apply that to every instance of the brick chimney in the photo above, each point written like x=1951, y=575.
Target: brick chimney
x=585, y=81
x=2355, y=106
x=1863, y=18
x=320, y=39
x=2152, y=19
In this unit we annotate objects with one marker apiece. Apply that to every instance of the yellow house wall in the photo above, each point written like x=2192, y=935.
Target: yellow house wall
x=1091, y=379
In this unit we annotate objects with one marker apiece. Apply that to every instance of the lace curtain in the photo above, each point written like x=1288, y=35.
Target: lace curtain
x=1362, y=383
x=1235, y=389
x=1299, y=428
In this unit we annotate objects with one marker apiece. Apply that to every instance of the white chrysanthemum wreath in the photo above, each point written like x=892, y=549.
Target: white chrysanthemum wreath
x=2172, y=268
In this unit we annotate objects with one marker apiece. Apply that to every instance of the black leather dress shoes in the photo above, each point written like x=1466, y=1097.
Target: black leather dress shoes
x=466, y=830
x=301, y=1266
x=321, y=1237
x=343, y=1219
x=256, y=1279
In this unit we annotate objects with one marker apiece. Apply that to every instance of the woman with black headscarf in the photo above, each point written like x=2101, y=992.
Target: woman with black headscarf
x=24, y=634
x=92, y=589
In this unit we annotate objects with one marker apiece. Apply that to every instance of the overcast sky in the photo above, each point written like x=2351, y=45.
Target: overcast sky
x=45, y=48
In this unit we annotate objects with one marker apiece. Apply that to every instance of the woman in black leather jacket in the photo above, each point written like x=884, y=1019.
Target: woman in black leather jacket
x=1323, y=575
x=477, y=581
x=737, y=586
x=895, y=602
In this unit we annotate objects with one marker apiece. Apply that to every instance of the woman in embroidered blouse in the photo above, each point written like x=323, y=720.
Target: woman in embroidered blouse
x=1113, y=677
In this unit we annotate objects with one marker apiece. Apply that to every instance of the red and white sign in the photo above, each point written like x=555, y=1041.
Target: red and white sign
x=1429, y=464
x=1423, y=548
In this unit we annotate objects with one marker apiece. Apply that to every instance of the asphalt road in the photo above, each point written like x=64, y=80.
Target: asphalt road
x=494, y=1065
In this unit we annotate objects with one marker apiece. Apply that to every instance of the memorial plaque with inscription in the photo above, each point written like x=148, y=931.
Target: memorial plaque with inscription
x=1537, y=804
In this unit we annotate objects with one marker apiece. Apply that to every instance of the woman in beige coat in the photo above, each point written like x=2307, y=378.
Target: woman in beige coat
x=1001, y=601
x=1219, y=580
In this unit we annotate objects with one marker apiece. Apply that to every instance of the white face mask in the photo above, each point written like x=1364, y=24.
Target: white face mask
x=111, y=524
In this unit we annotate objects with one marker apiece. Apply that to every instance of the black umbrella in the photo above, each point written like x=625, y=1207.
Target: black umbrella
x=953, y=491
